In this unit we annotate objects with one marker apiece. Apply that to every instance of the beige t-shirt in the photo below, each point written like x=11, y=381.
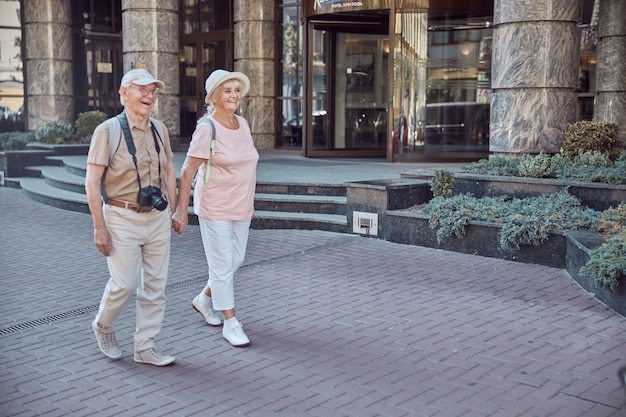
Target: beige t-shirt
x=120, y=181
x=229, y=194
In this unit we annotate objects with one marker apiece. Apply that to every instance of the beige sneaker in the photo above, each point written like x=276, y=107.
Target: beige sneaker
x=106, y=342
x=152, y=357
x=206, y=311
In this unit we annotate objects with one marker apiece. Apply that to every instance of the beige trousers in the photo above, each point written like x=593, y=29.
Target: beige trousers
x=138, y=264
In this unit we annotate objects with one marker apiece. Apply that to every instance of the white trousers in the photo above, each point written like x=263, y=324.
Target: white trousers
x=225, y=248
x=139, y=262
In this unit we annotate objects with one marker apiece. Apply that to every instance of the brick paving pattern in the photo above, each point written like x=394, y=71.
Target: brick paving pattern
x=340, y=325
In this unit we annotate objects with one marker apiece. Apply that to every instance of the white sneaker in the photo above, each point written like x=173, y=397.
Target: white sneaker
x=106, y=342
x=152, y=357
x=206, y=311
x=235, y=335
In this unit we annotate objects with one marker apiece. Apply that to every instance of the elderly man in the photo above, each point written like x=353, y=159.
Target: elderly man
x=131, y=190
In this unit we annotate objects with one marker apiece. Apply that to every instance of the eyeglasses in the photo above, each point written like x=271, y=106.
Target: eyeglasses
x=146, y=91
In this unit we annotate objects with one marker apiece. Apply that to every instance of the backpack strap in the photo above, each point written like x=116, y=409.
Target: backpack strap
x=208, y=121
x=115, y=136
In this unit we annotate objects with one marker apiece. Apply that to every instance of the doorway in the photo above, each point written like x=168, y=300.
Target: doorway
x=348, y=85
x=199, y=55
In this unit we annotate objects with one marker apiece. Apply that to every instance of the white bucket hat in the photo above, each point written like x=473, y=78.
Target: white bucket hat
x=220, y=76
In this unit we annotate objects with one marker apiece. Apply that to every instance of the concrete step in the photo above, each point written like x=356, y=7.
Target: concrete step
x=300, y=203
x=337, y=190
x=303, y=221
x=39, y=189
x=60, y=177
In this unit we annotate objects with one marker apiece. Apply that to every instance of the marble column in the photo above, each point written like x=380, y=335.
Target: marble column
x=150, y=41
x=254, y=56
x=48, y=61
x=611, y=66
x=536, y=46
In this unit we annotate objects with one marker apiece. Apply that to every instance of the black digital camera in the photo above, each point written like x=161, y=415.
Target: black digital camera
x=151, y=197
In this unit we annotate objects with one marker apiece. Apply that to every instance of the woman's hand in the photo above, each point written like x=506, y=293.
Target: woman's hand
x=180, y=219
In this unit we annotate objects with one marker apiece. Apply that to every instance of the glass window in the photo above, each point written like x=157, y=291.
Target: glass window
x=442, y=73
x=458, y=85
x=97, y=55
x=197, y=16
x=291, y=77
x=12, y=74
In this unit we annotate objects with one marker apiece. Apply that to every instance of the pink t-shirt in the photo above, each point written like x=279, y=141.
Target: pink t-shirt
x=229, y=194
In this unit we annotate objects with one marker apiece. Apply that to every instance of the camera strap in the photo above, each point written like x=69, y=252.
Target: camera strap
x=131, y=145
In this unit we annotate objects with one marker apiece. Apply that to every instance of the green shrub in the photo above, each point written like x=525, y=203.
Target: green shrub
x=442, y=183
x=15, y=141
x=87, y=122
x=539, y=166
x=593, y=159
x=495, y=166
x=55, y=132
x=586, y=166
x=614, y=174
x=524, y=221
x=589, y=136
x=607, y=262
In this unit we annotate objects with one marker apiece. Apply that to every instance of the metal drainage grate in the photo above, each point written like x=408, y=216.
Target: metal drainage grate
x=175, y=286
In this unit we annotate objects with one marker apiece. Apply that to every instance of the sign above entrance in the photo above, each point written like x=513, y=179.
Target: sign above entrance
x=318, y=7
x=337, y=6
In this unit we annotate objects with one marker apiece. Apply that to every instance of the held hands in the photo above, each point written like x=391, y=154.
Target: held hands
x=179, y=221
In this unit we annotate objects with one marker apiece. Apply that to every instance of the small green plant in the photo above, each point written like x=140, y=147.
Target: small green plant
x=590, y=136
x=607, y=262
x=587, y=167
x=495, y=166
x=54, y=132
x=538, y=166
x=87, y=122
x=442, y=183
x=15, y=141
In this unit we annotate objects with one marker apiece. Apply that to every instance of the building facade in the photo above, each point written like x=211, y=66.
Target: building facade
x=409, y=80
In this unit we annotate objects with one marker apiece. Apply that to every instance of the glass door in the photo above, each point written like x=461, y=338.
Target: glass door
x=348, y=86
x=198, y=58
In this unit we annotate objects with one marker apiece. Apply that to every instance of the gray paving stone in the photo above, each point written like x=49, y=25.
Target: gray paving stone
x=340, y=325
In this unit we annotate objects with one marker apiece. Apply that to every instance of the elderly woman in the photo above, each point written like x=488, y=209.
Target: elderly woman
x=221, y=146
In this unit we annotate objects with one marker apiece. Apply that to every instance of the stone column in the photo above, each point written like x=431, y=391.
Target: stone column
x=48, y=61
x=150, y=41
x=536, y=45
x=254, y=56
x=611, y=67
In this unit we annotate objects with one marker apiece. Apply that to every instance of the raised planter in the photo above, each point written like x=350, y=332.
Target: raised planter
x=14, y=163
x=579, y=246
x=61, y=149
x=382, y=195
x=597, y=196
x=411, y=227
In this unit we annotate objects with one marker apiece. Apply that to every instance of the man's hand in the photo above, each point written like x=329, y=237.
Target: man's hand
x=102, y=239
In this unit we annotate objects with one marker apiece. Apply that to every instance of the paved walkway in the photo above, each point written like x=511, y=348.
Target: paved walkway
x=340, y=325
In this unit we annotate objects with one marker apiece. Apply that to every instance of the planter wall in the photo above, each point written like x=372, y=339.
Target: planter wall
x=597, y=196
x=15, y=163
x=579, y=246
x=481, y=238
